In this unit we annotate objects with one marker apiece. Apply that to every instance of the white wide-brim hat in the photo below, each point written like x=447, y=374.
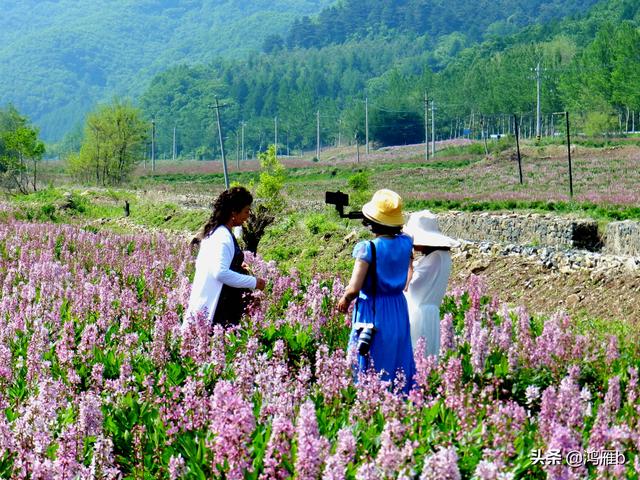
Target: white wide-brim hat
x=423, y=227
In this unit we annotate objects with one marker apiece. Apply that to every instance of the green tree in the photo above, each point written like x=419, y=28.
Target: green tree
x=270, y=200
x=113, y=144
x=20, y=151
x=625, y=77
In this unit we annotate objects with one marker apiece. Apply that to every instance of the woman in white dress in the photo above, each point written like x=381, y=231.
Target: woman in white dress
x=429, y=278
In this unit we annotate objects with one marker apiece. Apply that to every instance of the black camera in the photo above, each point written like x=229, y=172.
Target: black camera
x=365, y=337
x=341, y=200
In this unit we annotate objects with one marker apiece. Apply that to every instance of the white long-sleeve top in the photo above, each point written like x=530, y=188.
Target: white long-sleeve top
x=212, y=271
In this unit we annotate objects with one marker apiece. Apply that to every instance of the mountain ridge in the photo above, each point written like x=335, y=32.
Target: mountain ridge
x=58, y=61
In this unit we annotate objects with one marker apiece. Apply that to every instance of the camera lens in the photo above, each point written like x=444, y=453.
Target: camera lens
x=364, y=341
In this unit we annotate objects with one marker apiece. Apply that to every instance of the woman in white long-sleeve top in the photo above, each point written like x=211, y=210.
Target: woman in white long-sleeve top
x=431, y=269
x=221, y=277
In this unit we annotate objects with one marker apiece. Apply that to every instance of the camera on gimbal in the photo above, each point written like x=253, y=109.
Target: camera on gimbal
x=341, y=200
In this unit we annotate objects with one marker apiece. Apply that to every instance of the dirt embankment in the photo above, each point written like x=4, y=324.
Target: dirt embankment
x=609, y=290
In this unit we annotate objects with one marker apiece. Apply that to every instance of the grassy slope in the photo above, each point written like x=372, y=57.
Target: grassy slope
x=310, y=235
x=305, y=240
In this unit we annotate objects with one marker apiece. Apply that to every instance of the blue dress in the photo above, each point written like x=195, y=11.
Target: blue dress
x=391, y=348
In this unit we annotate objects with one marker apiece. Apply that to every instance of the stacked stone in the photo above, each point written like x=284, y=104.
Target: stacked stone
x=523, y=229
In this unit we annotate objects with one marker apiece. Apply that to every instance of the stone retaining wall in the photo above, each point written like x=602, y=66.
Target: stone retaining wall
x=522, y=229
x=622, y=238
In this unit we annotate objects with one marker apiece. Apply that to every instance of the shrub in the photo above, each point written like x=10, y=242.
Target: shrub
x=319, y=224
x=269, y=193
x=359, y=181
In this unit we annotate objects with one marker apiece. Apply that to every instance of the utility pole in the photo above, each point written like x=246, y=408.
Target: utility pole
x=153, y=145
x=224, y=160
x=366, y=123
x=517, y=133
x=237, y=150
x=426, y=127
x=339, y=128
x=243, y=158
x=566, y=114
x=318, y=135
x=484, y=136
x=275, y=124
x=357, y=147
x=173, y=150
x=433, y=128
x=538, y=115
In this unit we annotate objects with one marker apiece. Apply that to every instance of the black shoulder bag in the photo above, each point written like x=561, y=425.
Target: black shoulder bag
x=232, y=300
x=366, y=332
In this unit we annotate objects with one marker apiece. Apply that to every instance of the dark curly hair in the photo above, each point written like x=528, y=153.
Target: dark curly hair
x=228, y=202
x=379, y=229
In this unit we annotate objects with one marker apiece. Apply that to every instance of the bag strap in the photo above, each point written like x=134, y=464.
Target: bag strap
x=374, y=279
x=374, y=276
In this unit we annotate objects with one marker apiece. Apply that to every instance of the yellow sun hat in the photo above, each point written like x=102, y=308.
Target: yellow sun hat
x=385, y=208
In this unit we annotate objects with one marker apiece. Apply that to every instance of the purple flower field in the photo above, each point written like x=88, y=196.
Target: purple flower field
x=99, y=380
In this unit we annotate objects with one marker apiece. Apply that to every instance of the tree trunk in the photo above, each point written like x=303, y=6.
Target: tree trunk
x=626, y=128
x=35, y=171
x=254, y=228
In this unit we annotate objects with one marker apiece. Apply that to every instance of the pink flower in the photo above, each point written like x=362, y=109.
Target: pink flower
x=600, y=433
x=612, y=350
x=508, y=421
x=479, y=349
x=278, y=449
x=392, y=456
x=177, y=467
x=231, y=423
x=336, y=465
x=312, y=447
x=102, y=461
x=441, y=465
x=425, y=365
x=332, y=372
x=90, y=414
x=486, y=470
x=195, y=338
x=447, y=334
x=368, y=471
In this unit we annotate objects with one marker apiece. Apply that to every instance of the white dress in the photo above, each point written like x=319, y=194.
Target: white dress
x=426, y=290
x=212, y=271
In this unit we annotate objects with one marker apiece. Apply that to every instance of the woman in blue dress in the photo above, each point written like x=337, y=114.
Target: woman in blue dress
x=384, y=305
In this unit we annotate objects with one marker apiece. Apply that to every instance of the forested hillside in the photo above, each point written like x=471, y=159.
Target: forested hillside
x=589, y=64
x=58, y=58
x=265, y=59
x=471, y=21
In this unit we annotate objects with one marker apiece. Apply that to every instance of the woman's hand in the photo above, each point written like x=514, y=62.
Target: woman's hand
x=343, y=304
x=260, y=283
x=355, y=284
